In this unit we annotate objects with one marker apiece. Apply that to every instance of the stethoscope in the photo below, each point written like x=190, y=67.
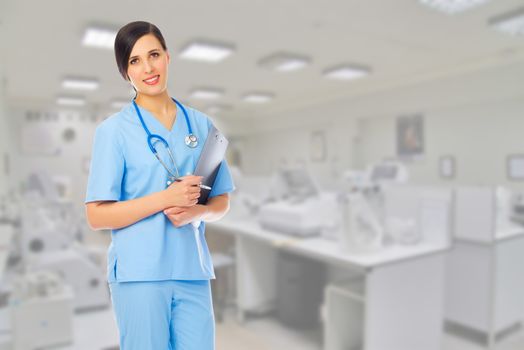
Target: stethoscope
x=191, y=141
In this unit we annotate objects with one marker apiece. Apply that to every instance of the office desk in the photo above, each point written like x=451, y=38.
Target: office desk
x=400, y=290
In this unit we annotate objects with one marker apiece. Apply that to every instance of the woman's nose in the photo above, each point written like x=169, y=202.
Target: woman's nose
x=148, y=67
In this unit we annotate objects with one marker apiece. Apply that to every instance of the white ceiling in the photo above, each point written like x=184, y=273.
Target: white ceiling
x=402, y=41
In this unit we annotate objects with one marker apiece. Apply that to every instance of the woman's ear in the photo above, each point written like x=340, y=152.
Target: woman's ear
x=168, y=57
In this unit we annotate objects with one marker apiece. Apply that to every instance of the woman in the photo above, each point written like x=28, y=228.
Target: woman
x=159, y=265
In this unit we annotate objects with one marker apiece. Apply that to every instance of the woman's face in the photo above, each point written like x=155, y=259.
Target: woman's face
x=148, y=66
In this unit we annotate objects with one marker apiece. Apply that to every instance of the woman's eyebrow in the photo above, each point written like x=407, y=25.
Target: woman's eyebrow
x=150, y=51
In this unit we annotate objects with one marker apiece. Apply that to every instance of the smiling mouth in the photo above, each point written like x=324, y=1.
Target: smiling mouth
x=153, y=80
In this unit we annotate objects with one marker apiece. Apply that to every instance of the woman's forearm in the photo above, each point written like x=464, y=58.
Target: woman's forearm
x=216, y=208
x=115, y=215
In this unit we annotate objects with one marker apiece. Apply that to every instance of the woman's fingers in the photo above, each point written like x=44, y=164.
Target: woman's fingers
x=192, y=179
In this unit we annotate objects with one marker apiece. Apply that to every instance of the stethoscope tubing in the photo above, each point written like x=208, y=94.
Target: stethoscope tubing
x=190, y=140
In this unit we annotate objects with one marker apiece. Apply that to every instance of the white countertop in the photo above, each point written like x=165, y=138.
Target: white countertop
x=322, y=248
x=509, y=232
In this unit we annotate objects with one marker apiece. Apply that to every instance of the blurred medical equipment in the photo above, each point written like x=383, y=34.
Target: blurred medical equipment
x=388, y=172
x=46, y=227
x=517, y=214
x=376, y=176
x=77, y=267
x=298, y=206
x=46, y=220
x=249, y=195
x=509, y=208
x=403, y=230
x=41, y=311
x=362, y=206
x=6, y=234
x=361, y=230
x=9, y=208
x=10, y=257
x=50, y=240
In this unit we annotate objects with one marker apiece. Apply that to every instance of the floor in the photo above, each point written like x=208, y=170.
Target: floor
x=256, y=334
x=97, y=331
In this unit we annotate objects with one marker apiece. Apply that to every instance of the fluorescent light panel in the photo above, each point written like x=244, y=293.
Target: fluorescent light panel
x=346, y=72
x=99, y=37
x=258, y=97
x=206, y=94
x=511, y=23
x=205, y=51
x=80, y=84
x=284, y=62
x=70, y=101
x=452, y=6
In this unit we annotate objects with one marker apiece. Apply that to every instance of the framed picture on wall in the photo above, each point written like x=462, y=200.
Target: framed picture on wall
x=410, y=136
x=318, y=146
x=515, y=167
x=447, y=167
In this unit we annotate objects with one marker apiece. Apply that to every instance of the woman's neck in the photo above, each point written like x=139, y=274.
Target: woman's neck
x=160, y=105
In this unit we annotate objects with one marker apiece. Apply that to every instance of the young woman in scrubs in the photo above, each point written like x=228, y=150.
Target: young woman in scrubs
x=159, y=266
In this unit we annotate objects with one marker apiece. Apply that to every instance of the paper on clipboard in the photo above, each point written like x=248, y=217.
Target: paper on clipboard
x=210, y=159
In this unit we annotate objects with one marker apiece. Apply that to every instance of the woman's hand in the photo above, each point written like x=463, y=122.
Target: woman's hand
x=180, y=216
x=184, y=193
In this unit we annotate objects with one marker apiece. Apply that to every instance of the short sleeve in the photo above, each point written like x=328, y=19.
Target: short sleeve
x=223, y=181
x=107, y=167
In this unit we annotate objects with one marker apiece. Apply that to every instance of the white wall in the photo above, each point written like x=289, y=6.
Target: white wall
x=477, y=116
x=479, y=136
x=277, y=140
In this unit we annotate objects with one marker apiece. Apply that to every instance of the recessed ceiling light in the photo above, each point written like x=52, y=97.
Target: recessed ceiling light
x=99, y=37
x=510, y=23
x=70, y=101
x=206, y=51
x=346, y=72
x=80, y=84
x=452, y=6
x=284, y=62
x=258, y=97
x=206, y=93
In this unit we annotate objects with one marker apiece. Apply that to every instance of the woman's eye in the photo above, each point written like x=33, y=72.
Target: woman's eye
x=132, y=61
x=155, y=54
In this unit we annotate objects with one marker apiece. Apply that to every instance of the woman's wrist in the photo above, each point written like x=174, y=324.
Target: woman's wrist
x=164, y=199
x=203, y=210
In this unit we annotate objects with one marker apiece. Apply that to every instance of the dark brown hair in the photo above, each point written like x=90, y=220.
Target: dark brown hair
x=126, y=38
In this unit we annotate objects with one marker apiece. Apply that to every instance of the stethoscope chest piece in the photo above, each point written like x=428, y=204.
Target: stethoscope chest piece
x=191, y=141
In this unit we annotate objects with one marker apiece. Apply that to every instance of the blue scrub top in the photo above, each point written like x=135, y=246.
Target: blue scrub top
x=122, y=168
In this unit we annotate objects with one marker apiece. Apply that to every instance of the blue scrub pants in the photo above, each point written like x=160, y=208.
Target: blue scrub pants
x=164, y=315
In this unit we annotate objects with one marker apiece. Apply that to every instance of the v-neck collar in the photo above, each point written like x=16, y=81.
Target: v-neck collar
x=149, y=118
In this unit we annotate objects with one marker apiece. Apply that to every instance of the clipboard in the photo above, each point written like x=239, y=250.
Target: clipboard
x=211, y=157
